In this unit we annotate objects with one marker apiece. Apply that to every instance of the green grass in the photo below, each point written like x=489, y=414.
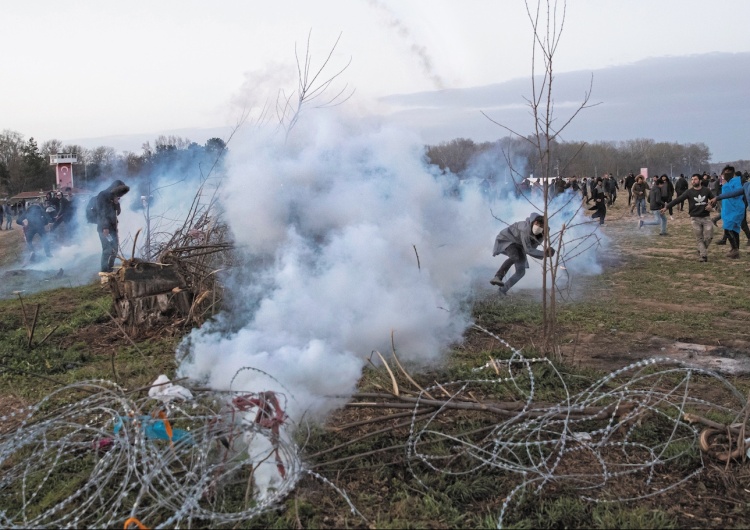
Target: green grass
x=33, y=372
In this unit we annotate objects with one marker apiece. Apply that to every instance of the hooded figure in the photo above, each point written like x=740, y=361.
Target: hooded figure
x=107, y=210
x=517, y=241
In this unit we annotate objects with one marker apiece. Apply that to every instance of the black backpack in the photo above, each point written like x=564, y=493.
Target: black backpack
x=92, y=210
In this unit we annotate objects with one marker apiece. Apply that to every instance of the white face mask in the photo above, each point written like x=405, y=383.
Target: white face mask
x=536, y=229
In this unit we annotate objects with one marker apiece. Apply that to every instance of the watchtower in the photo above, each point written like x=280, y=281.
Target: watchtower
x=63, y=163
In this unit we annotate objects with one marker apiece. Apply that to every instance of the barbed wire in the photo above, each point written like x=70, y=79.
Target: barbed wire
x=91, y=455
x=592, y=440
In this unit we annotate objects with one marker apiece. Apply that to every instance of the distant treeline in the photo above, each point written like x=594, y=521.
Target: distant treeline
x=466, y=159
x=24, y=166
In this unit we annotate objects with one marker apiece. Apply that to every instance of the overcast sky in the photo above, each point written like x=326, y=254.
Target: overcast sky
x=95, y=68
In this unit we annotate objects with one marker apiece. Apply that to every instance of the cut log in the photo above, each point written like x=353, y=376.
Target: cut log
x=146, y=294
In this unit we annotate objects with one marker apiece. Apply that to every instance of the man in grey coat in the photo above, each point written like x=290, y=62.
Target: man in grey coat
x=516, y=242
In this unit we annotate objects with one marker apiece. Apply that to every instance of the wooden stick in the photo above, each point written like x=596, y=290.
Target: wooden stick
x=358, y=456
x=393, y=378
x=360, y=438
x=48, y=335
x=500, y=408
x=23, y=312
x=114, y=369
x=694, y=418
x=412, y=381
x=33, y=326
x=360, y=423
x=135, y=240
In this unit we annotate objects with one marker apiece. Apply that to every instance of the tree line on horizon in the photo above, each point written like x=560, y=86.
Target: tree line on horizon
x=25, y=166
x=516, y=157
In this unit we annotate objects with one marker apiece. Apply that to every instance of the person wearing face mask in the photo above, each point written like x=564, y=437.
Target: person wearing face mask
x=107, y=210
x=699, y=210
x=518, y=241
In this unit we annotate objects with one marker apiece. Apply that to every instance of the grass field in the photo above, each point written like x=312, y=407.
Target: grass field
x=652, y=296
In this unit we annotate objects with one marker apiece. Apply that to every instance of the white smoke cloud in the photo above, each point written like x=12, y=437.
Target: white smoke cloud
x=75, y=246
x=360, y=237
x=75, y=249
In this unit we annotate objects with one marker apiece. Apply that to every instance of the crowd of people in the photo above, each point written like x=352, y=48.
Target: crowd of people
x=724, y=196
x=46, y=218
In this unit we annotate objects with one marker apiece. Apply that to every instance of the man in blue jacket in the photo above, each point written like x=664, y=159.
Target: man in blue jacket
x=734, y=195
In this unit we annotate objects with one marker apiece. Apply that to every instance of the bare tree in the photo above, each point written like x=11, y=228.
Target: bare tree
x=547, y=22
x=200, y=247
x=313, y=85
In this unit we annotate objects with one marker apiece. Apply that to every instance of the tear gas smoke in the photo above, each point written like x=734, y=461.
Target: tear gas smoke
x=171, y=184
x=351, y=236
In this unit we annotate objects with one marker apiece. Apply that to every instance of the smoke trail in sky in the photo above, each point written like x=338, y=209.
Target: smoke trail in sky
x=419, y=51
x=350, y=235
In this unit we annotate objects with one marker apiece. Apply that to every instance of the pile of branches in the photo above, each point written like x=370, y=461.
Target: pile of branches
x=178, y=279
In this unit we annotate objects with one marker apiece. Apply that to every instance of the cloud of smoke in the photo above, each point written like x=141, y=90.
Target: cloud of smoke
x=171, y=183
x=75, y=248
x=350, y=235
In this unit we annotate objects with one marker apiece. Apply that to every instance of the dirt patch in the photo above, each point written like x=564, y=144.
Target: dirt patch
x=11, y=246
x=11, y=412
x=18, y=273
x=616, y=350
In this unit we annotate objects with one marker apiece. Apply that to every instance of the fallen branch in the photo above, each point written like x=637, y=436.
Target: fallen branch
x=369, y=421
x=48, y=335
x=507, y=409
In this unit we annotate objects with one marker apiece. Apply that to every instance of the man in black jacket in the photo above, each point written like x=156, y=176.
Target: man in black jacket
x=656, y=203
x=107, y=210
x=699, y=211
x=600, y=201
x=610, y=188
x=34, y=220
x=681, y=186
x=629, y=181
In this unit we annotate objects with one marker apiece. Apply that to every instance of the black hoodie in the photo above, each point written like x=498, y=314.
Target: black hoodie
x=106, y=208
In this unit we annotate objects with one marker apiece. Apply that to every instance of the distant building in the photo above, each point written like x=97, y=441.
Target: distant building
x=63, y=163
